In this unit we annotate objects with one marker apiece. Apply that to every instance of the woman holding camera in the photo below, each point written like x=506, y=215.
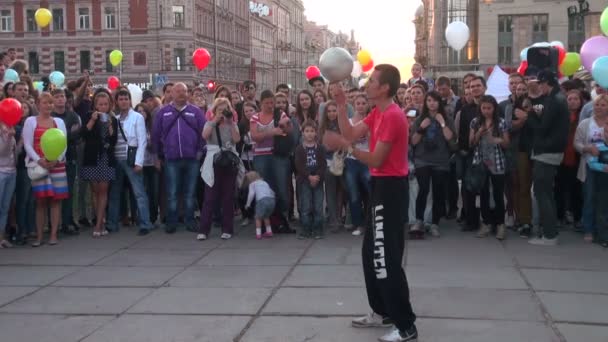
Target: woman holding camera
x=99, y=134
x=220, y=168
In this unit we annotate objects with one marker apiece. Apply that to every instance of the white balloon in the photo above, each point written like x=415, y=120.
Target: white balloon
x=362, y=82
x=457, y=34
x=136, y=94
x=557, y=43
x=336, y=64
x=357, y=70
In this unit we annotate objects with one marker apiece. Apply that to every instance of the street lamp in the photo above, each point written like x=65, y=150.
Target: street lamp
x=581, y=11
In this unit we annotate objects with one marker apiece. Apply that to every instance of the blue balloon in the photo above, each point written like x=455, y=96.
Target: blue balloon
x=57, y=78
x=523, y=55
x=599, y=71
x=11, y=75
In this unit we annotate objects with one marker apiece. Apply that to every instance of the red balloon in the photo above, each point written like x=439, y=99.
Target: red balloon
x=10, y=112
x=522, y=68
x=368, y=66
x=113, y=82
x=562, y=54
x=201, y=58
x=312, y=72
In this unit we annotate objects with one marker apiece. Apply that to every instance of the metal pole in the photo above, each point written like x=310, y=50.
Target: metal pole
x=215, y=54
x=119, y=38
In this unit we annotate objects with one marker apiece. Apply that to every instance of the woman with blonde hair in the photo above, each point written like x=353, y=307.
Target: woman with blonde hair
x=52, y=188
x=220, y=168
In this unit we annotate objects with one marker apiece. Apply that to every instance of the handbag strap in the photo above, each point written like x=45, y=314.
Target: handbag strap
x=121, y=131
x=219, y=137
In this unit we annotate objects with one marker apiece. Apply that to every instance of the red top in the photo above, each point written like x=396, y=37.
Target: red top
x=391, y=127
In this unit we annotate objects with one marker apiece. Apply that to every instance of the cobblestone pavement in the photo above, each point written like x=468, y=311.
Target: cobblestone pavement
x=172, y=288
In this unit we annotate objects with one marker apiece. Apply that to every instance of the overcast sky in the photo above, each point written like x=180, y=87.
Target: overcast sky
x=383, y=27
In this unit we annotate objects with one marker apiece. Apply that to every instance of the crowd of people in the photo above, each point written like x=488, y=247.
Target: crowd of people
x=533, y=163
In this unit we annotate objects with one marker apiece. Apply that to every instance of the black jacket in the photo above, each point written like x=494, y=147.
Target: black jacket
x=94, y=145
x=550, y=127
x=70, y=119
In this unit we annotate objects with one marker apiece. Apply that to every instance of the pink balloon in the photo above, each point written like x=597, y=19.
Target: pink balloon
x=592, y=49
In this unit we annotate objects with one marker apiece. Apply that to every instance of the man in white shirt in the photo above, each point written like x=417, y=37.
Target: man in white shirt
x=129, y=152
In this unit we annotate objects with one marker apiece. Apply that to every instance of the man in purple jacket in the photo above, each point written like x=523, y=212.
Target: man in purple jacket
x=177, y=140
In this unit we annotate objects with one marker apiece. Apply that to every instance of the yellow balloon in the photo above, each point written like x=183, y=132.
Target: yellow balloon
x=115, y=57
x=43, y=17
x=364, y=57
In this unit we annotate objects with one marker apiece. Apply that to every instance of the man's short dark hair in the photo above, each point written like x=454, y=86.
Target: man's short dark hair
x=390, y=75
x=444, y=81
x=281, y=86
x=248, y=83
x=57, y=91
x=353, y=90
x=20, y=83
x=11, y=49
x=266, y=94
x=482, y=79
x=122, y=93
x=167, y=85
x=423, y=84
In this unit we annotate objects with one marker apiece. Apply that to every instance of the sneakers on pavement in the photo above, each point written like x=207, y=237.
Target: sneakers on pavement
x=201, y=237
x=435, y=231
x=501, y=232
x=395, y=335
x=543, y=241
x=372, y=320
x=226, y=236
x=358, y=231
x=483, y=231
x=525, y=231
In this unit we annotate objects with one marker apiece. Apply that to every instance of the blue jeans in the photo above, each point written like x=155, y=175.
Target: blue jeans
x=151, y=184
x=180, y=176
x=274, y=170
x=7, y=190
x=310, y=203
x=26, y=205
x=67, y=208
x=601, y=200
x=358, y=179
x=588, y=202
x=137, y=184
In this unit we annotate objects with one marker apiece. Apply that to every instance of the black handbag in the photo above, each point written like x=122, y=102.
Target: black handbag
x=131, y=150
x=476, y=177
x=224, y=159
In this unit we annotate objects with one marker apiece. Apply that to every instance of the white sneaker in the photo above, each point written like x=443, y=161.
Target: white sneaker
x=358, y=232
x=201, y=237
x=435, y=231
x=226, y=236
x=397, y=336
x=245, y=222
x=371, y=320
x=543, y=241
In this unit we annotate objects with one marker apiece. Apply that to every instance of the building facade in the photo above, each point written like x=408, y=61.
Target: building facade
x=499, y=31
x=157, y=38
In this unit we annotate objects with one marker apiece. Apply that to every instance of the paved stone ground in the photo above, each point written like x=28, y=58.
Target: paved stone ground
x=173, y=288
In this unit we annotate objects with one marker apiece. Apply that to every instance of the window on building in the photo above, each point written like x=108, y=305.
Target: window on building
x=110, y=16
x=85, y=60
x=505, y=39
x=576, y=33
x=59, y=60
x=139, y=58
x=539, y=27
x=30, y=20
x=6, y=21
x=179, y=55
x=109, y=66
x=32, y=59
x=84, y=19
x=178, y=17
x=57, y=19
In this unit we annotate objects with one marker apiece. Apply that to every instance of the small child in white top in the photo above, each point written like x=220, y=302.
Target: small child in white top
x=264, y=202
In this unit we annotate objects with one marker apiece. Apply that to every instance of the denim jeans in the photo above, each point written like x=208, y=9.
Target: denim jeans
x=7, y=190
x=310, y=204
x=332, y=186
x=26, y=204
x=116, y=190
x=411, y=209
x=358, y=180
x=151, y=183
x=180, y=176
x=601, y=200
x=67, y=207
x=543, y=176
x=588, y=202
x=274, y=170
